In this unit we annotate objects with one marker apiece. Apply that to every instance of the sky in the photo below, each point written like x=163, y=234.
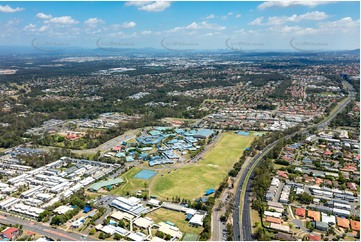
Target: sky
x=249, y=26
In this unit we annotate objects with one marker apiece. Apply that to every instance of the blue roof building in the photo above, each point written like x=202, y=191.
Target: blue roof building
x=203, y=133
x=129, y=158
x=155, y=133
x=87, y=209
x=210, y=191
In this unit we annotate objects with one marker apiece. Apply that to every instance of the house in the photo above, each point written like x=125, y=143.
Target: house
x=301, y=212
x=352, y=186
x=273, y=220
x=314, y=237
x=279, y=227
x=10, y=233
x=355, y=225
x=343, y=223
x=283, y=174
x=315, y=215
x=321, y=226
x=329, y=219
x=285, y=237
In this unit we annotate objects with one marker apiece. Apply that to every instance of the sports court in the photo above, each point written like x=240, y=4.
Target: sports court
x=190, y=237
x=145, y=174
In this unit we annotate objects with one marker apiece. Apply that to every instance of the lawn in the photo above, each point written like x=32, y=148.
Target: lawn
x=178, y=218
x=190, y=182
x=132, y=184
x=255, y=219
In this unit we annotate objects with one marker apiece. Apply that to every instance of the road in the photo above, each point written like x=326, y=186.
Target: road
x=42, y=229
x=242, y=196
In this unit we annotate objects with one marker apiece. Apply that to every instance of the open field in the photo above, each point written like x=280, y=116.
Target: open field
x=191, y=181
x=178, y=218
x=131, y=185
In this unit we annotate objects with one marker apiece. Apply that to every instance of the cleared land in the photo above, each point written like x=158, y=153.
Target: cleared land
x=178, y=218
x=191, y=181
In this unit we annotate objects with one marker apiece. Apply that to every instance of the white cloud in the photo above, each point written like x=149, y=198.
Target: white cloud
x=43, y=28
x=257, y=21
x=63, y=20
x=93, y=22
x=137, y=3
x=278, y=20
x=8, y=9
x=198, y=26
x=30, y=27
x=238, y=15
x=204, y=25
x=128, y=25
x=211, y=16
x=150, y=6
x=146, y=32
x=346, y=22
x=44, y=16
x=285, y=4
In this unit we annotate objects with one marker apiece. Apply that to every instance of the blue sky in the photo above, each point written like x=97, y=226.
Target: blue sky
x=187, y=25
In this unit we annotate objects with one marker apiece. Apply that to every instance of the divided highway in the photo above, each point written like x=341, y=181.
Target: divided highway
x=242, y=225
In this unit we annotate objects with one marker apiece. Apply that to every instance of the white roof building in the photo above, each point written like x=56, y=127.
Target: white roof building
x=171, y=230
x=197, y=219
x=328, y=219
x=153, y=202
x=108, y=229
x=137, y=236
x=130, y=205
x=273, y=214
x=143, y=222
x=62, y=209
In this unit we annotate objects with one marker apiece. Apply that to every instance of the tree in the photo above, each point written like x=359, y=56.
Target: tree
x=103, y=236
x=117, y=237
x=304, y=198
x=92, y=231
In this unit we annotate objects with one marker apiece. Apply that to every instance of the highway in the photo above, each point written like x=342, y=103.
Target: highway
x=242, y=228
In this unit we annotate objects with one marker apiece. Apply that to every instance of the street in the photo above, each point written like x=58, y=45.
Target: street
x=42, y=229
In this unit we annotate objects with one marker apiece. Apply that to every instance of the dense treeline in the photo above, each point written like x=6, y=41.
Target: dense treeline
x=259, y=80
x=346, y=118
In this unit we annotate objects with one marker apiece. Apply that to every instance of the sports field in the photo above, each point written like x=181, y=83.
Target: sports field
x=190, y=182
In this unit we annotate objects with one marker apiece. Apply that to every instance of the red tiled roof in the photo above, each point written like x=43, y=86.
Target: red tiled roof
x=314, y=237
x=300, y=212
x=355, y=225
x=315, y=215
x=116, y=148
x=9, y=232
x=282, y=173
x=273, y=220
x=343, y=222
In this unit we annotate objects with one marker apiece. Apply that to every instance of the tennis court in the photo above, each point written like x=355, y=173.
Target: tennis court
x=190, y=237
x=145, y=174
